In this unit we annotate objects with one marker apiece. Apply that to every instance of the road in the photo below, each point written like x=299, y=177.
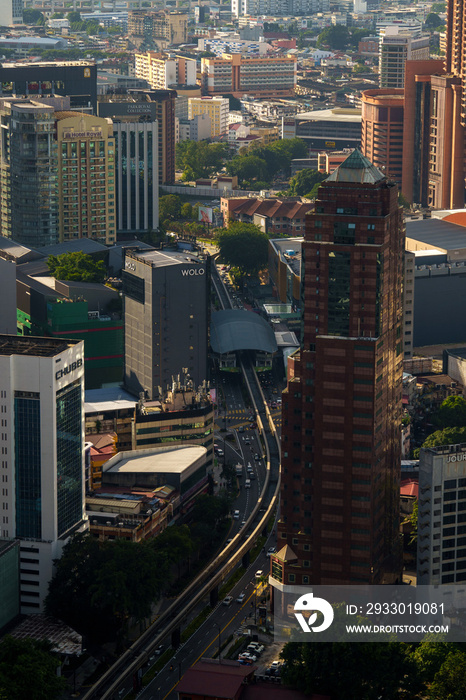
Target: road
x=223, y=621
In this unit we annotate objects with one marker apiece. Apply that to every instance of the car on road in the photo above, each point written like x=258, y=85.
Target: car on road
x=273, y=404
x=271, y=550
x=241, y=429
x=228, y=600
x=259, y=573
x=247, y=484
x=257, y=457
x=219, y=452
x=241, y=597
x=243, y=523
x=159, y=650
x=236, y=515
x=247, y=441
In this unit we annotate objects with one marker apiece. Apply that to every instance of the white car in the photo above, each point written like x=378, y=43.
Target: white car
x=236, y=515
x=241, y=597
x=259, y=573
x=228, y=600
x=248, y=656
x=276, y=664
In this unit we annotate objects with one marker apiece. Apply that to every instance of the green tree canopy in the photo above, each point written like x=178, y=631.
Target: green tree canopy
x=450, y=681
x=169, y=207
x=335, y=37
x=74, y=16
x=31, y=16
x=272, y=158
x=452, y=413
x=198, y=159
x=244, y=246
x=447, y=436
x=248, y=167
x=28, y=669
x=303, y=182
x=349, y=671
x=97, y=586
x=438, y=7
x=433, y=21
x=77, y=267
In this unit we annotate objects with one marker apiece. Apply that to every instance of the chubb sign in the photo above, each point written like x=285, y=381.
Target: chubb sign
x=193, y=272
x=68, y=369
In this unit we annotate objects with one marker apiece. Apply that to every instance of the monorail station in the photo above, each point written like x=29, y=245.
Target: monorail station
x=235, y=331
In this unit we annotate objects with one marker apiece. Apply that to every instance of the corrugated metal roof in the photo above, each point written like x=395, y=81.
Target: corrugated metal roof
x=233, y=330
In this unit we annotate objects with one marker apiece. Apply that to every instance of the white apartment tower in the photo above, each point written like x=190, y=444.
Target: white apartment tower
x=441, y=546
x=395, y=48
x=42, y=454
x=11, y=12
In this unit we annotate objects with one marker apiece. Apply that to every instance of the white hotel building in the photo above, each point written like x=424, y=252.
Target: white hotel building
x=441, y=547
x=42, y=454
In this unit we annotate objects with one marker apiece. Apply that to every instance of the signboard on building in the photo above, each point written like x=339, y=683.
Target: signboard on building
x=206, y=215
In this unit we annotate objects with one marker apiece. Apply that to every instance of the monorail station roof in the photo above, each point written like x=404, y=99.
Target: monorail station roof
x=233, y=330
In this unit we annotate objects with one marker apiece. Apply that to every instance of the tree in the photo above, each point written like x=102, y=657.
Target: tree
x=433, y=21
x=356, y=36
x=438, y=7
x=304, y=181
x=97, y=586
x=249, y=167
x=335, y=37
x=28, y=669
x=74, y=16
x=31, y=16
x=447, y=436
x=450, y=681
x=452, y=413
x=186, y=211
x=200, y=159
x=169, y=207
x=349, y=671
x=77, y=267
x=244, y=246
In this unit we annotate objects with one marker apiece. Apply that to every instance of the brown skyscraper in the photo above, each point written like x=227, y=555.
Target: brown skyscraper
x=342, y=406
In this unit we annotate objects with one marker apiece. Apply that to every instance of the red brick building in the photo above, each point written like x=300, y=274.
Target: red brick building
x=273, y=215
x=340, y=469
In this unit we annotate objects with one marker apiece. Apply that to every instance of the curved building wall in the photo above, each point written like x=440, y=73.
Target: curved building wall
x=382, y=130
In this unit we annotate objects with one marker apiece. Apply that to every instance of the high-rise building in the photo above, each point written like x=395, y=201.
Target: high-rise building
x=137, y=165
x=217, y=108
x=166, y=303
x=86, y=177
x=162, y=71
x=11, y=12
x=448, y=118
x=396, y=47
x=157, y=30
x=28, y=172
x=416, y=128
x=75, y=79
x=382, y=130
x=165, y=112
x=42, y=460
x=237, y=74
x=441, y=542
x=340, y=466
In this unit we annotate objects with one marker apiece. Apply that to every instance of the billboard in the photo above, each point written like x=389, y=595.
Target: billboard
x=206, y=215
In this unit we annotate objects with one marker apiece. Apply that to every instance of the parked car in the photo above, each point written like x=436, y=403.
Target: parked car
x=276, y=664
x=247, y=655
